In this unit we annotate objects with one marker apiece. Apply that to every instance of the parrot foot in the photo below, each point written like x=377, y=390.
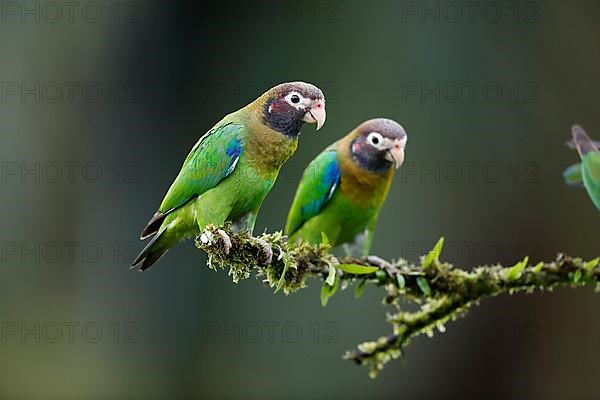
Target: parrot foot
x=267, y=252
x=226, y=240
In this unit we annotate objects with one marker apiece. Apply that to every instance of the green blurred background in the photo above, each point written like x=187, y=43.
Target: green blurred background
x=487, y=100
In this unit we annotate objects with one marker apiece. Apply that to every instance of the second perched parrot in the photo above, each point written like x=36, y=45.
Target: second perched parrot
x=343, y=189
x=588, y=171
x=230, y=170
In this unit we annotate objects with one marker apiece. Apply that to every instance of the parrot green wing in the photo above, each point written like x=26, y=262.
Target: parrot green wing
x=573, y=175
x=591, y=176
x=211, y=160
x=592, y=166
x=319, y=181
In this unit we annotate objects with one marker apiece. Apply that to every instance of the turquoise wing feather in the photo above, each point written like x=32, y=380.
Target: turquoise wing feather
x=211, y=160
x=318, y=184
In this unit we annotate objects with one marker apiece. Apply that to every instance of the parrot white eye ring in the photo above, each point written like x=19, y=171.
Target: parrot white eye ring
x=375, y=138
x=295, y=99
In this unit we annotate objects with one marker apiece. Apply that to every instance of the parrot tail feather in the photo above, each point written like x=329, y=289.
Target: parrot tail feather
x=154, y=250
x=153, y=225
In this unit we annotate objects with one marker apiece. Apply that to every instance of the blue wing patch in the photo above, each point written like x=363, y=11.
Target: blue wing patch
x=234, y=150
x=212, y=159
x=327, y=182
x=317, y=187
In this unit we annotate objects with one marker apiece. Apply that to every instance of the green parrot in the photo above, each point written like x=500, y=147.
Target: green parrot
x=342, y=190
x=586, y=173
x=230, y=170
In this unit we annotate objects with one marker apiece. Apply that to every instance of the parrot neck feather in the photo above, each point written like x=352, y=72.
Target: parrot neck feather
x=265, y=148
x=367, y=188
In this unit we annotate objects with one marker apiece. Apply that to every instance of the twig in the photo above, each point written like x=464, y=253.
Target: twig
x=442, y=291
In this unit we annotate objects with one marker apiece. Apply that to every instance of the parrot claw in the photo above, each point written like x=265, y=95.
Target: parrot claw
x=267, y=250
x=226, y=241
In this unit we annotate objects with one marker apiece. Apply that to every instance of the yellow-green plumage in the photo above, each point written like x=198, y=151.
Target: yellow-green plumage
x=339, y=198
x=264, y=153
x=229, y=171
x=591, y=176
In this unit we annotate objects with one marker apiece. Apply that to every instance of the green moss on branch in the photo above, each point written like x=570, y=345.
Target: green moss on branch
x=442, y=291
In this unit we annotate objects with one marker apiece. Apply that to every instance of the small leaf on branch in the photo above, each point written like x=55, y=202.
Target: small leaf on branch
x=575, y=276
x=424, y=285
x=538, y=267
x=329, y=290
x=434, y=254
x=360, y=288
x=590, y=265
x=325, y=294
x=357, y=269
x=514, y=272
x=401, y=281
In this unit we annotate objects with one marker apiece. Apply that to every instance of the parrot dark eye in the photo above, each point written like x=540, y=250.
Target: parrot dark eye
x=295, y=99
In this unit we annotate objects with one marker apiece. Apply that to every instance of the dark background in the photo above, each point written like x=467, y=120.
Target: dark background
x=84, y=171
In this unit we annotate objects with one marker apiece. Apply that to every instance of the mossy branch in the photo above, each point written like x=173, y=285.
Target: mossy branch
x=442, y=291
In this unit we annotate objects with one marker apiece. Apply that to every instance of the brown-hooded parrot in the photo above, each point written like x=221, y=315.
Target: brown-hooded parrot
x=586, y=173
x=342, y=190
x=230, y=170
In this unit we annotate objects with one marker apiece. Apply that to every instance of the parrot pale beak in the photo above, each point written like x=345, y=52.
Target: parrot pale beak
x=316, y=114
x=395, y=153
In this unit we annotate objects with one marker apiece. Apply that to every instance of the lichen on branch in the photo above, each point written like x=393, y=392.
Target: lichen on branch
x=442, y=291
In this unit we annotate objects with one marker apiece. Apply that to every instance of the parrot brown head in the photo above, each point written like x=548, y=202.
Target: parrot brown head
x=286, y=107
x=378, y=145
